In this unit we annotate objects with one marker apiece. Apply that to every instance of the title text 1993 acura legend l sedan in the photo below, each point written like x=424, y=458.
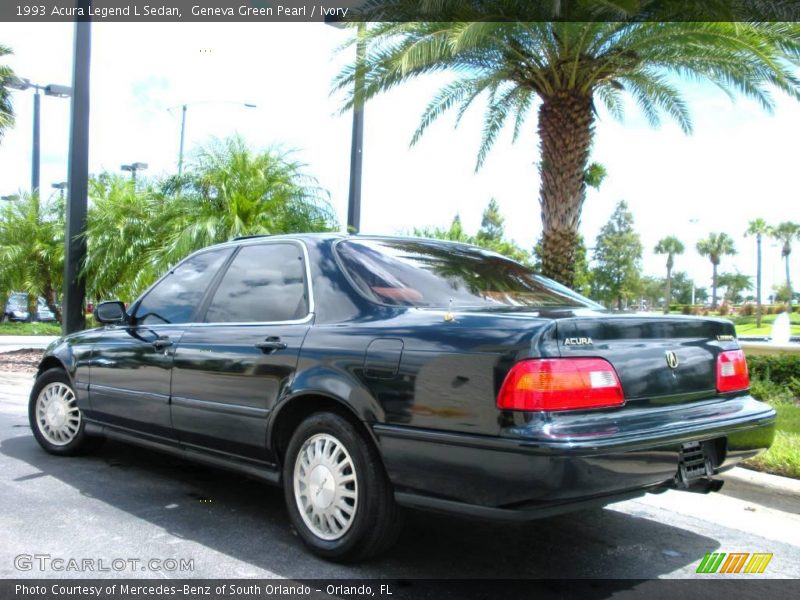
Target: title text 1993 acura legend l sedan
x=366, y=373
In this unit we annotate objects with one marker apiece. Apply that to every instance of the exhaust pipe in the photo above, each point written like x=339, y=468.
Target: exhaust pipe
x=700, y=486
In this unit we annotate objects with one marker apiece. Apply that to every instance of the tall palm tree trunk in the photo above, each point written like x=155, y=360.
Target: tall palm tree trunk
x=758, y=281
x=788, y=279
x=566, y=125
x=668, y=292
x=714, y=286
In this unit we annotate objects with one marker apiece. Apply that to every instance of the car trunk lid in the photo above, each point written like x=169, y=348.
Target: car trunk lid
x=658, y=359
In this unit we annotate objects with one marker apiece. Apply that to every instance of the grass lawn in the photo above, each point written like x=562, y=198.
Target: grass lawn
x=783, y=458
x=30, y=329
x=747, y=325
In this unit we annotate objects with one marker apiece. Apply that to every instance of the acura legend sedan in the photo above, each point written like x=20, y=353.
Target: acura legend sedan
x=364, y=374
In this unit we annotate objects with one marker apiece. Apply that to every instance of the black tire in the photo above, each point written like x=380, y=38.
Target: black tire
x=79, y=442
x=376, y=523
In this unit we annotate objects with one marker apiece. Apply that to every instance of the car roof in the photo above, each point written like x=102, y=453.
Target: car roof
x=329, y=236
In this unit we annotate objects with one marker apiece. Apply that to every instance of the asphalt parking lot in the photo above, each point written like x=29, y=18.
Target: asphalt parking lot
x=130, y=503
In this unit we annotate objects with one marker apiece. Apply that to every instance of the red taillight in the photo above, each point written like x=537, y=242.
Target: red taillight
x=732, y=374
x=560, y=384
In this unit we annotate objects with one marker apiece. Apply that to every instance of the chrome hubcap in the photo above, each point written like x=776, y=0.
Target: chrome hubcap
x=325, y=486
x=57, y=414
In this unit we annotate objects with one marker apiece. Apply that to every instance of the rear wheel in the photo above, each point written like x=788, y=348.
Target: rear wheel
x=55, y=418
x=337, y=493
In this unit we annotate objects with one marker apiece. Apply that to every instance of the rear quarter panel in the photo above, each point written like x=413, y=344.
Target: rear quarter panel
x=442, y=374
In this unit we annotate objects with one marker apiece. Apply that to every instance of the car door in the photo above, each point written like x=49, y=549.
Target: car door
x=231, y=368
x=131, y=364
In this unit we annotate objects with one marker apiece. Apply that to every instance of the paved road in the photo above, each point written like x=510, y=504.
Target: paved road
x=130, y=503
x=18, y=342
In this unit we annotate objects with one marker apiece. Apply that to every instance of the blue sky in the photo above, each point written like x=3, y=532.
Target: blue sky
x=739, y=164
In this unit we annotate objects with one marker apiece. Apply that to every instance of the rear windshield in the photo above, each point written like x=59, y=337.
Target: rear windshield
x=430, y=274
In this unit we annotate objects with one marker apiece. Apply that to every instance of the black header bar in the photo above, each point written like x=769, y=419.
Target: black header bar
x=149, y=11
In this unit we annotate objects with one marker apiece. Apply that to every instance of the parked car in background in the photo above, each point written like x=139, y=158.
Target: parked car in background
x=367, y=373
x=43, y=311
x=16, y=309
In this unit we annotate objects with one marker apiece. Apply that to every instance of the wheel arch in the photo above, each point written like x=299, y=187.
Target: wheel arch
x=297, y=407
x=52, y=362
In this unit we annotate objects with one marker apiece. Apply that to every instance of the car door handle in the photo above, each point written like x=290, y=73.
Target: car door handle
x=271, y=344
x=162, y=342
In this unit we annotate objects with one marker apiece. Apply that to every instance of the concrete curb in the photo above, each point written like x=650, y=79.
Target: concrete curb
x=772, y=491
x=786, y=485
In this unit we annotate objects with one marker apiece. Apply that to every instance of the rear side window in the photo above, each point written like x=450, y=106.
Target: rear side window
x=429, y=274
x=265, y=283
x=175, y=298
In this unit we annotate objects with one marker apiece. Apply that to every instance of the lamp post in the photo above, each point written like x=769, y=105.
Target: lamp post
x=60, y=186
x=184, y=108
x=357, y=137
x=74, y=319
x=133, y=168
x=52, y=89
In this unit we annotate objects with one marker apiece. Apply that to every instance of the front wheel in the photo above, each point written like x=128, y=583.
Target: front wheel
x=55, y=418
x=337, y=493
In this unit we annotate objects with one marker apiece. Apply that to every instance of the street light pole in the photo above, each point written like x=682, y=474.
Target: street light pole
x=357, y=139
x=35, y=152
x=59, y=91
x=134, y=168
x=183, y=133
x=184, y=108
x=74, y=318
x=60, y=186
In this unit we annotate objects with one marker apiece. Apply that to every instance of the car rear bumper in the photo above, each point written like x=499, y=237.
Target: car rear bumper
x=558, y=463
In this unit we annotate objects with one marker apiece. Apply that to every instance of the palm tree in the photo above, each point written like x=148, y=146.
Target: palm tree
x=734, y=284
x=126, y=230
x=32, y=247
x=758, y=228
x=231, y=191
x=6, y=108
x=786, y=233
x=133, y=235
x=715, y=246
x=564, y=69
x=670, y=246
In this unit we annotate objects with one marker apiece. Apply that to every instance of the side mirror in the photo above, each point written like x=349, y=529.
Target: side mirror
x=110, y=312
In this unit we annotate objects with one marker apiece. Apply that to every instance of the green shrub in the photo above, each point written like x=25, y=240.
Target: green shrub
x=777, y=375
x=769, y=391
x=724, y=309
x=686, y=309
x=747, y=310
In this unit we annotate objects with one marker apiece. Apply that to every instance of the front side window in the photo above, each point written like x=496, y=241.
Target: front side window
x=429, y=274
x=175, y=298
x=265, y=283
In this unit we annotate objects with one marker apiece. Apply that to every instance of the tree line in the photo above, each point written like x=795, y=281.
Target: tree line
x=136, y=231
x=612, y=273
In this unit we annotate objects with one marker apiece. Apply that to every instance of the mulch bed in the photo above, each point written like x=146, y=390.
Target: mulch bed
x=20, y=361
